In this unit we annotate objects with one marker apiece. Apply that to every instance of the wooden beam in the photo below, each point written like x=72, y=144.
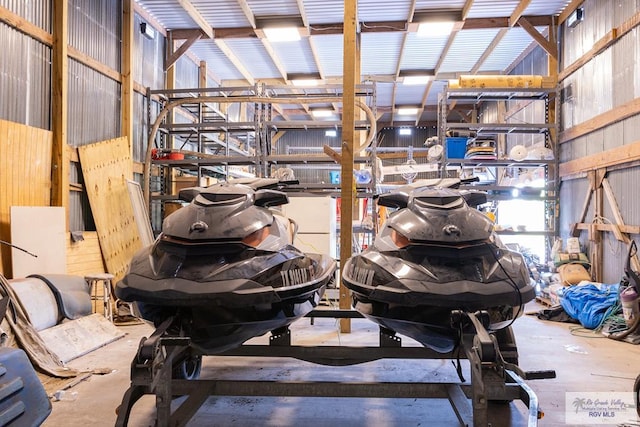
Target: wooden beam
x=597, y=48
x=518, y=11
x=489, y=50
x=548, y=47
x=246, y=9
x=628, y=229
x=482, y=23
x=302, y=12
x=126, y=102
x=197, y=17
x=616, y=156
x=348, y=145
x=59, y=108
x=24, y=26
x=600, y=121
x=443, y=55
x=184, y=47
x=466, y=8
x=235, y=61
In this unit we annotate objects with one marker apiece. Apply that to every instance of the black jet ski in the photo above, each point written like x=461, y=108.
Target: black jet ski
x=437, y=254
x=224, y=268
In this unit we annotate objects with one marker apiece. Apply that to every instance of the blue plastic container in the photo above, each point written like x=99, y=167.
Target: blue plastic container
x=334, y=177
x=23, y=401
x=455, y=147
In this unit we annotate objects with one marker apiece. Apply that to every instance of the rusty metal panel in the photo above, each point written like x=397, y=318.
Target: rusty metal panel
x=95, y=29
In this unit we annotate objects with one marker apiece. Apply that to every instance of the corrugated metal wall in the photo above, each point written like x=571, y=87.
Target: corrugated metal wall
x=25, y=67
x=585, y=97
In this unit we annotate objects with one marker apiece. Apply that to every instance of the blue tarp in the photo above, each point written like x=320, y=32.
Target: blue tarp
x=589, y=303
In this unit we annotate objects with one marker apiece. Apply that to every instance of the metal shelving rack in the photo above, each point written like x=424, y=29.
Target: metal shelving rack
x=547, y=126
x=213, y=143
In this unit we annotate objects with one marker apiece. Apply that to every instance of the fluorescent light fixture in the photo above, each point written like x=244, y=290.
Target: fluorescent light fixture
x=405, y=131
x=304, y=79
x=305, y=82
x=331, y=133
x=436, y=22
x=415, y=80
x=282, y=34
x=576, y=17
x=321, y=112
x=434, y=29
x=147, y=30
x=407, y=111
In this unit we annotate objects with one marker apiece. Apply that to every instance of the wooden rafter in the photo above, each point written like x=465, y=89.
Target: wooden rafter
x=518, y=12
x=197, y=17
x=443, y=55
x=182, y=49
x=549, y=47
x=246, y=9
x=466, y=8
x=235, y=61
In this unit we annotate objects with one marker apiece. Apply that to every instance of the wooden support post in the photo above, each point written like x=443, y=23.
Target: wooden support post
x=348, y=136
x=126, y=120
x=59, y=107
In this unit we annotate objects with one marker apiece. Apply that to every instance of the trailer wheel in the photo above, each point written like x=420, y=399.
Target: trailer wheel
x=189, y=368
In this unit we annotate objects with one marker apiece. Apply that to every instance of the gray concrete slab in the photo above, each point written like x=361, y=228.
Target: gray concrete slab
x=584, y=361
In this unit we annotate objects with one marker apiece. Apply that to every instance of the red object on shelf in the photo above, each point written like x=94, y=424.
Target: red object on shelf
x=175, y=156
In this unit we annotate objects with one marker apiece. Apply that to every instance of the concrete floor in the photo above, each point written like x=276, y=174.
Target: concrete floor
x=584, y=362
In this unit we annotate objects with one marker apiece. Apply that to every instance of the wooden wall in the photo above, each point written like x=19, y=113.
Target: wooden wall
x=25, y=176
x=84, y=257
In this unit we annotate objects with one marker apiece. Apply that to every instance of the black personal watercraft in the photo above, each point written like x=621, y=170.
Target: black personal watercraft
x=437, y=254
x=224, y=268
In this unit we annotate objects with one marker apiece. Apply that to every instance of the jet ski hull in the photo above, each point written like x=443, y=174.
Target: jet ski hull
x=224, y=269
x=434, y=256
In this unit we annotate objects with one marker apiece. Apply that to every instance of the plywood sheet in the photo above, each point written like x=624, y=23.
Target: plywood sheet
x=25, y=176
x=41, y=231
x=106, y=167
x=84, y=257
x=75, y=338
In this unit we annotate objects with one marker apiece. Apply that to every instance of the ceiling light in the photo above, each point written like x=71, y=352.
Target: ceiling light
x=304, y=79
x=407, y=111
x=416, y=80
x=282, y=34
x=416, y=77
x=321, y=112
x=405, y=131
x=434, y=29
x=331, y=133
x=305, y=82
x=436, y=22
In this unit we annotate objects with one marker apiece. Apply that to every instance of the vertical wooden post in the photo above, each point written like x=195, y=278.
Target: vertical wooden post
x=348, y=136
x=59, y=104
x=126, y=120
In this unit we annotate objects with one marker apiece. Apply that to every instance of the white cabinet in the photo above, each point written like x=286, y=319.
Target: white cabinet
x=316, y=219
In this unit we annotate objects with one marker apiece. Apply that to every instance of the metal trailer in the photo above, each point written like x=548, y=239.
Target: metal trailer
x=493, y=377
